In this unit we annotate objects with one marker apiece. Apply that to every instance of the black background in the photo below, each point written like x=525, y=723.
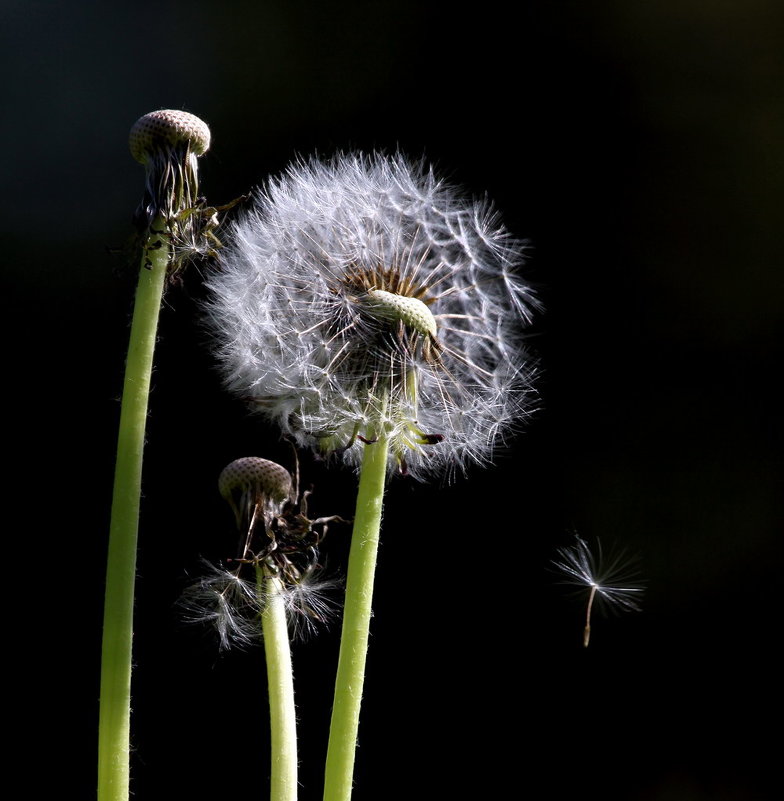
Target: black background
x=638, y=146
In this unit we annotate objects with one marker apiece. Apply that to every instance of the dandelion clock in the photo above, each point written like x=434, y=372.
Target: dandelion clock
x=364, y=296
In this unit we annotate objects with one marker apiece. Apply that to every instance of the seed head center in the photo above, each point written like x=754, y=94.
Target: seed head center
x=412, y=312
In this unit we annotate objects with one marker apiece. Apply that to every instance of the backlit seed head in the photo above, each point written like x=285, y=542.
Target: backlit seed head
x=167, y=127
x=362, y=297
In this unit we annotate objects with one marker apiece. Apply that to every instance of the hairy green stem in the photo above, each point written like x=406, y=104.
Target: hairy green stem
x=280, y=682
x=356, y=623
x=114, y=722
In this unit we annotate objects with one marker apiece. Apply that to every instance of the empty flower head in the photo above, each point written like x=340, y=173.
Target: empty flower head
x=362, y=297
x=169, y=143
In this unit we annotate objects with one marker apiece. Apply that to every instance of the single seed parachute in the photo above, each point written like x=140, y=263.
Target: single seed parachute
x=362, y=297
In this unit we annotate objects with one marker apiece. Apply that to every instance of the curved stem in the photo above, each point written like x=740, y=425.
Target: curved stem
x=114, y=723
x=587, y=629
x=356, y=623
x=280, y=681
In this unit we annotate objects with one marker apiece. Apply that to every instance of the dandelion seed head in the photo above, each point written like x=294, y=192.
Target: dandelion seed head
x=277, y=541
x=250, y=480
x=167, y=128
x=362, y=296
x=250, y=472
x=169, y=143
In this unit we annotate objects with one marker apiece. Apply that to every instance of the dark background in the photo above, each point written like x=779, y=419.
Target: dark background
x=638, y=146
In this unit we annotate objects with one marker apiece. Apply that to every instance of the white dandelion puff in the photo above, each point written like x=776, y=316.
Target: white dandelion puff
x=612, y=581
x=362, y=297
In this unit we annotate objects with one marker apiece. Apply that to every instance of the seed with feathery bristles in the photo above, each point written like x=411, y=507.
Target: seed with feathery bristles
x=168, y=127
x=611, y=580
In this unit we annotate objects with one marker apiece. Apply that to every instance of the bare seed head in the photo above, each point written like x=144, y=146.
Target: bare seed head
x=168, y=143
x=253, y=474
x=277, y=542
x=167, y=127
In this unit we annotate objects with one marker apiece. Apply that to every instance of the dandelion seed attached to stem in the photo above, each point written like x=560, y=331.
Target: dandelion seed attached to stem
x=168, y=143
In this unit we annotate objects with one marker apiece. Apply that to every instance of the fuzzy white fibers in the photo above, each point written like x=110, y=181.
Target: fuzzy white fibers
x=233, y=605
x=308, y=330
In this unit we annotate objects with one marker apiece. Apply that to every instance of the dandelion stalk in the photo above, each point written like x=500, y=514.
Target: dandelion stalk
x=375, y=315
x=114, y=727
x=278, y=541
x=356, y=623
x=168, y=144
x=280, y=684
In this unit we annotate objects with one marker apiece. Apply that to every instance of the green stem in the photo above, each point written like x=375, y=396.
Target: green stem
x=114, y=723
x=280, y=681
x=356, y=623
